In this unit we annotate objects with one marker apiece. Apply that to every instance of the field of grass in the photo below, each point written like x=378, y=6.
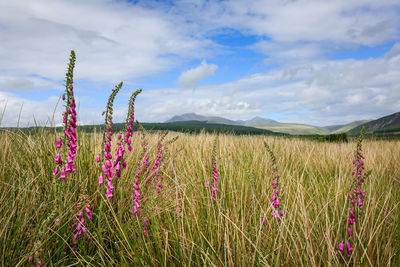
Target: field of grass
x=37, y=210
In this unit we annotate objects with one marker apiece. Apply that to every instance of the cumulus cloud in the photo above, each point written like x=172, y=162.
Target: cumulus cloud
x=13, y=83
x=27, y=112
x=191, y=77
x=118, y=40
x=319, y=92
x=113, y=40
x=341, y=22
x=289, y=52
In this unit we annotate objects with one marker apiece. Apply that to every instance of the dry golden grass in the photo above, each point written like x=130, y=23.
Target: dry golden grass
x=315, y=179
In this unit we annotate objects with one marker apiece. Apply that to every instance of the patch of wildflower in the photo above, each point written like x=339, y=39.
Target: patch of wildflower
x=156, y=166
x=38, y=245
x=130, y=119
x=78, y=223
x=106, y=156
x=356, y=197
x=143, y=166
x=151, y=175
x=119, y=162
x=65, y=159
x=275, y=203
x=214, y=170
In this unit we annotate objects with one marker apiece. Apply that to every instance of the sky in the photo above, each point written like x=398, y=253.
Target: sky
x=313, y=62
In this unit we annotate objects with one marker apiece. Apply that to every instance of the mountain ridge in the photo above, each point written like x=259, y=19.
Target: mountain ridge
x=216, y=119
x=387, y=124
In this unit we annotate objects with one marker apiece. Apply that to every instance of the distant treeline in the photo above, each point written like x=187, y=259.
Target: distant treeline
x=188, y=127
x=195, y=127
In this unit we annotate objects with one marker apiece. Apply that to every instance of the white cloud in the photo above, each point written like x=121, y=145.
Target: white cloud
x=113, y=40
x=28, y=112
x=320, y=92
x=12, y=83
x=289, y=52
x=117, y=40
x=366, y=22
x=191, y=77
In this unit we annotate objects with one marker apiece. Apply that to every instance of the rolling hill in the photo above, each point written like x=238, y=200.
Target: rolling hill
x=188, y=127
x=386, y=125
x=292, y=128
x=349, y=126
x=269, y=124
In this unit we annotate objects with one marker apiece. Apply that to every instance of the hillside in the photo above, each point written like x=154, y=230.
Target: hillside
x=292, y=128
x=386, y=125
x=332, y=128
x=189, y=127
x=349, y=126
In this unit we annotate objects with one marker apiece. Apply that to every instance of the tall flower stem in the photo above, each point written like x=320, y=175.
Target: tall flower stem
x=119, y=163
x=356, y=198
x=106, y=156
x=214, y=170
x=69, y=121
x=275, y=203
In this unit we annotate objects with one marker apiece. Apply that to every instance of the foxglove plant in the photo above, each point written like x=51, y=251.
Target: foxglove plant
x=69, y=121
x=156, y=166
x=106, y=156
x=119, y=162
x=356, y=196
x=130, y=119
x=214, y=170
x=276, y=213
x=78, y=224
x=150, y=175
x=143, y=166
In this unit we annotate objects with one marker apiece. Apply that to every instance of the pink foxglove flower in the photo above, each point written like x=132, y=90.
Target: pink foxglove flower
x=357, y=195
x=59, y=143
x=275, y=203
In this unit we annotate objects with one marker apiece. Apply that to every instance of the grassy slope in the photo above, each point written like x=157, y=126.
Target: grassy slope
x=385, y=125
x=315, y=178
x=350, y=126
x=292, y=128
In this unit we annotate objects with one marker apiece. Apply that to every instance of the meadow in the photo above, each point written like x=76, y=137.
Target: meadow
x=158, y=198
x=185, y=224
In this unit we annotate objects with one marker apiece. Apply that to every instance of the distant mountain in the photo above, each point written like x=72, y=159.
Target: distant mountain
x=258, y=120
x=196, y=117
x=386, y=125
x=292, y=128
x=215, y=119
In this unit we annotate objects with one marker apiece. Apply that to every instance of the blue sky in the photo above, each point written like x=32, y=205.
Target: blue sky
x=313, y=62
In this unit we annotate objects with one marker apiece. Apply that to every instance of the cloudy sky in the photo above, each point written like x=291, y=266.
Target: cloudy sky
x=314, y=62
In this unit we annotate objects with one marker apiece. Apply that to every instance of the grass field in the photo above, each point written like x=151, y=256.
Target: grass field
x=37, y=210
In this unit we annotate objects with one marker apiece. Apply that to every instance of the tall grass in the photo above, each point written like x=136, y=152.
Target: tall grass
x=187, y=226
